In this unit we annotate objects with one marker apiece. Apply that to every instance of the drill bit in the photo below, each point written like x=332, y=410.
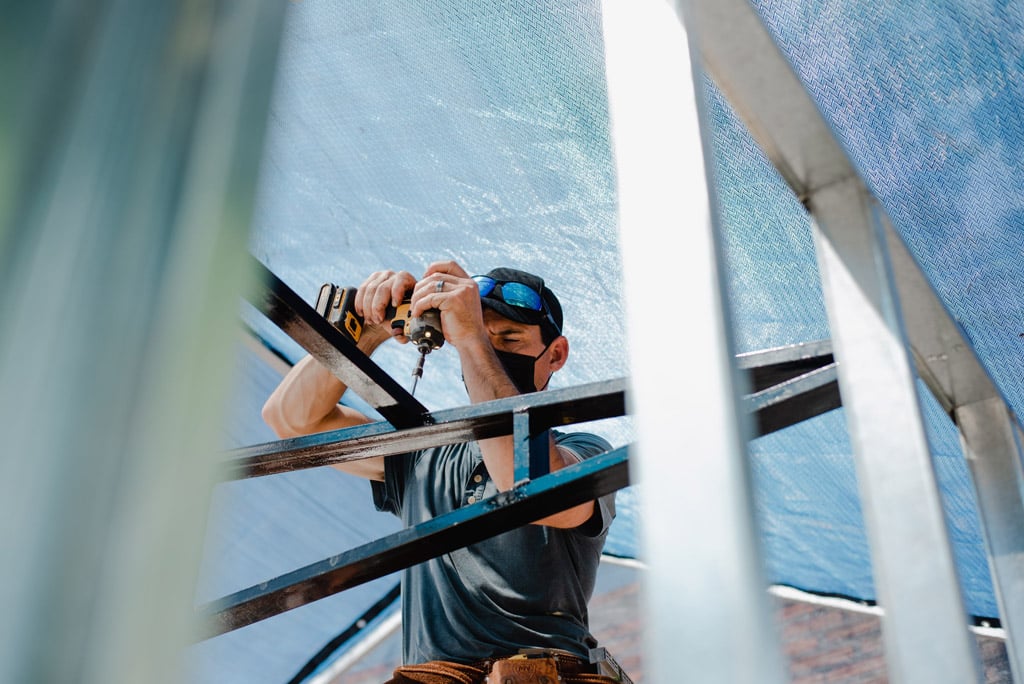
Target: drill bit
x=417, y=372
x=425, y=332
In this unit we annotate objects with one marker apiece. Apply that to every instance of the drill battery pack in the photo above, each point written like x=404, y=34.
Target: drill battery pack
x=337, y=306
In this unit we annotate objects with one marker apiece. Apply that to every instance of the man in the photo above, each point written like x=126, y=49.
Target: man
x=525, y=589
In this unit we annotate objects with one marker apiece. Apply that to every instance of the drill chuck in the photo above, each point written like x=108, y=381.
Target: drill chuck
x=425, y=331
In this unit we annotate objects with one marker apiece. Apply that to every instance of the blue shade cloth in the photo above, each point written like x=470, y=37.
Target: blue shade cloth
x=263, y=527
x=926, y=99
x=477, y=130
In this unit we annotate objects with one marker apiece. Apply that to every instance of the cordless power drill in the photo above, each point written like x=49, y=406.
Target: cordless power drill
x=337, y=305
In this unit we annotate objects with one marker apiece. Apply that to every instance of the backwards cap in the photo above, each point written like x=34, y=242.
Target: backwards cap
x=518, y=313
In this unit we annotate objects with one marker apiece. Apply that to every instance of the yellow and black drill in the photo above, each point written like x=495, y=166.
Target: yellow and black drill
x=337, y=305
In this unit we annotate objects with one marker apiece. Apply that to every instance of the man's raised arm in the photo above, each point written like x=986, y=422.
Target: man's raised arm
x=306, y=401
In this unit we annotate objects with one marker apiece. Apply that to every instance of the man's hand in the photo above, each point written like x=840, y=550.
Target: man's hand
x=373, y=297
x=448, y=288
x=307, y=399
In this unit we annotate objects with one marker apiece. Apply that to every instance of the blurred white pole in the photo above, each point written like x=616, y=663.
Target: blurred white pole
x=129, y=154
x=707, y=617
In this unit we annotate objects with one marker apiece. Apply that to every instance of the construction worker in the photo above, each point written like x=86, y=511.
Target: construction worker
x=469, y=615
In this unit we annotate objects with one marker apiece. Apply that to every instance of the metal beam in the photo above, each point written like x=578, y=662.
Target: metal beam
x=953, y=372
x=521, y=505
x=925, y=627
x=527, y=417
x=796, y=400
x=993, y=450
x=805, y=386
x=336, y=352
x=130, y=136
x=769, y=367
x=356, y=629
x=532, y=457
x=552, y=408
x=790, y=384
x=706, y=608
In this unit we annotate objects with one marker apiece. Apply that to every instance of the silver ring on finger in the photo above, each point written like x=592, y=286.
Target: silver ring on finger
x=440, y=286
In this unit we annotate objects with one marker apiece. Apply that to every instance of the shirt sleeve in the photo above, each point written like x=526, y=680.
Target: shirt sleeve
x=387, y=495
x=587, y=445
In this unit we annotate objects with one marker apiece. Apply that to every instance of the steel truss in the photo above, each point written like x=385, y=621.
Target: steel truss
x=550, y=494
x=885, y=319
x=887, y=323
x=790, y=384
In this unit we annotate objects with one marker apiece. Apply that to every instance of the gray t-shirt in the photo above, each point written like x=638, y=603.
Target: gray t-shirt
x=525, y=588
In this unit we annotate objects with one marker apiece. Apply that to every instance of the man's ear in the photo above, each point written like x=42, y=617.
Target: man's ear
x=559, y=352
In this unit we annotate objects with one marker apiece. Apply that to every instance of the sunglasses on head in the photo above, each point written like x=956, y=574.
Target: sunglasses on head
x=515, y=294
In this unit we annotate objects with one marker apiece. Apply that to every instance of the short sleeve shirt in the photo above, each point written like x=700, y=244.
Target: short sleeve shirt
x=525, y=588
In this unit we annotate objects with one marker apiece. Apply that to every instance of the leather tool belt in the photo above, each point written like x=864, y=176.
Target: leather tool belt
x=531, y=666
x=521, y=669
x=540, y=666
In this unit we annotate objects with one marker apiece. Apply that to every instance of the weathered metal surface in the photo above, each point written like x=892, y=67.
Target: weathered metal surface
x=335, y=351
x=555, y=492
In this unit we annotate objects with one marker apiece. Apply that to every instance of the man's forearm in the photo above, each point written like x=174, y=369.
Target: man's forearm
x=486, y=380
x=307, y=399
x=306, y=395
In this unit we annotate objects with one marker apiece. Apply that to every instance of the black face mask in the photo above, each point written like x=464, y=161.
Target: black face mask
x=520, y=369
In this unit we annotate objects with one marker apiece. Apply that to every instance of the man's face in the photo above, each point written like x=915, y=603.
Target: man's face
x=512, y=336
x=519, y=338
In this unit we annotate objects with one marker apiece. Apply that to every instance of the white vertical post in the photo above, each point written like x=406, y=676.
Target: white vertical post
x=925, y=627
x=993, y=453
x=988, y=434
x=134, y=156
x=707, y=617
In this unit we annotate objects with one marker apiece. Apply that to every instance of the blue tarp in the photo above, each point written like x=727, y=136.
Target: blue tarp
x=477, y=130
